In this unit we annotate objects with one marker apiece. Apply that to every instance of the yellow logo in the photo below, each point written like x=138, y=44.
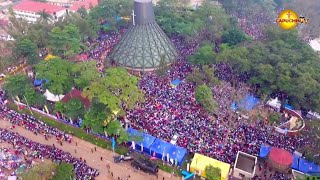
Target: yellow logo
x=289, y=20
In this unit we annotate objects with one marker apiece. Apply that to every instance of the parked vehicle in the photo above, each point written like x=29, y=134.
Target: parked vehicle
x=145, y=165
x=122, y=158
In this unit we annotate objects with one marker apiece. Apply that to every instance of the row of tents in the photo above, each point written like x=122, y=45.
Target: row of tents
x=172, y=153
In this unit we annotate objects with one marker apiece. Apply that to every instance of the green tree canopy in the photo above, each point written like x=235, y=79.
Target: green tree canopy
x=204, y=97
x=74, y=109
x=116, y=87
x=66, y=41
x=233, y=37
x=59, y=74
x=213, y=173
x=85, y=73
x=64, y=171
x=28, y=49
x=34, y=98
x=98, y=117
x=17, y=85
x=203, y=56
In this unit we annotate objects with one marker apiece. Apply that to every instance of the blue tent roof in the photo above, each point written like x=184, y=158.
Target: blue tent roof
x=234, y=106
x=264, y=150
x=309, y=167
x=38, y=82
x=175, y=152
x=147, y=139
x=176, y=82
x=249, y=102
x=287, y=106
x=295, y=163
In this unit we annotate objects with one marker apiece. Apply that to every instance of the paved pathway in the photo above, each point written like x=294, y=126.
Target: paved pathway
x=83, y=150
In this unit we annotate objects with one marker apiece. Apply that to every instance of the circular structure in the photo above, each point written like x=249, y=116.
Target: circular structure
x=145, y=46
x=280, y=159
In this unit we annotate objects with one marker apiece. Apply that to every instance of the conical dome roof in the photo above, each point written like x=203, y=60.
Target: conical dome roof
x=144, y=44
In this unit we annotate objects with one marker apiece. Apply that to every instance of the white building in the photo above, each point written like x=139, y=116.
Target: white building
x=29, y=10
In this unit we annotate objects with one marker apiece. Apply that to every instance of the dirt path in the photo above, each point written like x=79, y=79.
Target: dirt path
x=83, y=150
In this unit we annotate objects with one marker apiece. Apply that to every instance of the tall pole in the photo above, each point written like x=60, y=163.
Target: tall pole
x=28, y=104
x=133, y=19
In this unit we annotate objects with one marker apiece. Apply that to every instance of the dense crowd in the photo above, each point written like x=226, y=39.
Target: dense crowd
x=82, y=171
x=44, y=151
x=168, y=111
x=103, y=46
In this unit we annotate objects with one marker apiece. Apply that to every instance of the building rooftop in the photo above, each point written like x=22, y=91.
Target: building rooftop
x=36, y=7
x=60, y=1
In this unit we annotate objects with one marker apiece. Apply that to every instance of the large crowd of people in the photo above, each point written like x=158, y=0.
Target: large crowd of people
x=82, y=170
x=168, y=111
x=38, y=127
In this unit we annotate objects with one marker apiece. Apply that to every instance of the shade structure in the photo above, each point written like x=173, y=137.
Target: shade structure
x=200, y=162
x=163, y=150
x=280, y=159
x=146, y=140
x=145, y=45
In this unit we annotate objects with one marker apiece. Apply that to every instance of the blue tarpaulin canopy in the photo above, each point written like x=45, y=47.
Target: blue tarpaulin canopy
x=295, y=163
x=147, y=139
x=287, y=106
x=175, y=82
x=162, y=148
x=39, y=82
x=264, y=150
x=248, y=103
x=308, y=167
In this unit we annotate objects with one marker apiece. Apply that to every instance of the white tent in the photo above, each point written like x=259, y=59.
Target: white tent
x=133, y=145
x=275, y=103
x=12, y=177
x=315, y=44
x=52, y=97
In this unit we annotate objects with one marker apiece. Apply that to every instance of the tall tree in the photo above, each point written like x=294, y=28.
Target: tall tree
x=17, y=85
x=74, y=109
x=28, y=49
x=85, y=73
x=233, y=37
x=98, y=117
x=44, y=16
x=115, y=88
x=203, y=56
x=66, y=41
x=204, y=97
x=34, y=98
x=58, y=73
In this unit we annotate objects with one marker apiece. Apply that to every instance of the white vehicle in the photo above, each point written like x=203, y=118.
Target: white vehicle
x=174, y=139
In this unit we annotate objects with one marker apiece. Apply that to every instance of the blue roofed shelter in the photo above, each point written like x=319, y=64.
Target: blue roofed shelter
x=248, y=103
x=162, y=149
x=147, y=140
x=175, y=83
x=309, y=167
x=264, y=150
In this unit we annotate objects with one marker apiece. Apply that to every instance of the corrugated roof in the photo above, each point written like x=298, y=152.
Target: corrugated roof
x=36, y=7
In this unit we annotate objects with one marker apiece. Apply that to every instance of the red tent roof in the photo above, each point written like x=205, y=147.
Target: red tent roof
x=76, y=94
x=281, y=156
x=36, y=7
